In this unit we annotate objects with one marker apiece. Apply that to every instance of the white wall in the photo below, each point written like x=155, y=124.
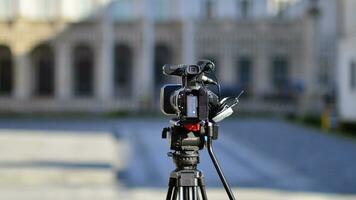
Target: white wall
x=75, y=10
x=349, y=8
x=347, y=95
x=38, y=9
x=44, y=10
x=347, y=55
x=6, y=9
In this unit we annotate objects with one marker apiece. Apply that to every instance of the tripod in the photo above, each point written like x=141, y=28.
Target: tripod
x=186, y=180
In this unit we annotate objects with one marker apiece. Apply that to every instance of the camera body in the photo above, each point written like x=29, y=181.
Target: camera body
x=190, y=100
x=190, y=103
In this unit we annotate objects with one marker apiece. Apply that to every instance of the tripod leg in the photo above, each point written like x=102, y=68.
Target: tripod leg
x=175, y=193
x=186, y=193
x=201, y=184
x=181, y=193
x=169, y=193
x=195, y=193
x=171, y=187
x=192, y=193
x=203, y=193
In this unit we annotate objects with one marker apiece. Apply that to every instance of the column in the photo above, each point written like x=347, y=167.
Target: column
x=63, y=71
x=310, y=56
x=144, y=84
x=23, y=82
x=188, y=50
x=226, y=71
x=261, y=65
x=104, y=60
x=310, y=103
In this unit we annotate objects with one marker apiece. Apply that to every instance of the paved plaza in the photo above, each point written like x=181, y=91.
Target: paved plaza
x=126, y=159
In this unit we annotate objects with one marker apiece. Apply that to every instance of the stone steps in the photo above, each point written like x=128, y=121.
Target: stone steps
x=59, y=165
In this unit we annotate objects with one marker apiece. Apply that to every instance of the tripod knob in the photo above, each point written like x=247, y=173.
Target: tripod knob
x=165, y=132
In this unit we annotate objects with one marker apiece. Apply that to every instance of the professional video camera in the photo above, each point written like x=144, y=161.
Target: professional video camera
x=193, y=100
x=198, y=109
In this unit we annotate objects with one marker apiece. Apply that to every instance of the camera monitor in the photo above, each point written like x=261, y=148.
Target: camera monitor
x=192, y=106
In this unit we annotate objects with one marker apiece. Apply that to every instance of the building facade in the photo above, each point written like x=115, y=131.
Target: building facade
x=327, y=26
x=101, y=55
x=347, y=62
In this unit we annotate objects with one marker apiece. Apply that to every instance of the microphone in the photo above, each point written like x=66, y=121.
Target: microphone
x=226, y=107
x=208, y=80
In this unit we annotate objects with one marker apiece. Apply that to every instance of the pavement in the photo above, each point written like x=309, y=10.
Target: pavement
x=38, y=164
x=126, y=159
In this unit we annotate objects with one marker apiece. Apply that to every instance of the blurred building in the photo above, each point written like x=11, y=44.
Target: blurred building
x=102, y=55
x=327, y=16
x=347, y=62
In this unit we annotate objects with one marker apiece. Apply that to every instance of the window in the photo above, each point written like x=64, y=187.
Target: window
x=245, y=8
x=323, y=72
x=83, y=63
x=122, y=69
x=209, y=8
x=280, y=73
x=6, y=71
x=42, y=58
x=353, y=75
x=163, y=55
x=244, y=72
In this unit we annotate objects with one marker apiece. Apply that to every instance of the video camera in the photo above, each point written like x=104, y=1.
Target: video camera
x=193, y=100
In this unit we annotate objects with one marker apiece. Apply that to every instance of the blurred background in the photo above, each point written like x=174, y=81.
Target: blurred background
x=80, y=83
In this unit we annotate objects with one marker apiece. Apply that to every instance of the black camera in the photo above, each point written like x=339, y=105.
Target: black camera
x=184, y=102
x=191, y=99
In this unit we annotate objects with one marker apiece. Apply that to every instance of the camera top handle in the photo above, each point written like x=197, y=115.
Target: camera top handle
x=180, y=70
x=191, y=73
